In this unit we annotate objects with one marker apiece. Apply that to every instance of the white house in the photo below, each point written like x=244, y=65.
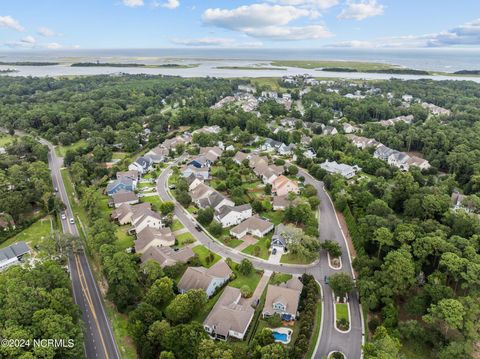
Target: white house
x=12, y=254
x=142, y=165
x=342, y=169
x=231, y=216
x=208, y=279
x=146, y=218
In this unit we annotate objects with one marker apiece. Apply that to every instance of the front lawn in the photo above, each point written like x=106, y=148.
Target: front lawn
x=154, y=200
x=279, y=278
x=259, y=249
x=33, y=235
x=291, y=258
x=204, y=254
x=177, y=225
x=250, y=280
x=184, y=239
x=231, y=242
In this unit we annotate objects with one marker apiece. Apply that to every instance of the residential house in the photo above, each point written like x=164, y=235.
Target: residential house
x=142, y=164
x=407, y=98
x=122, y=197
x=342, y=169
x=436, y=110
x=208, y=279
x=257, y=160
x=203, y=173
x=146, y=218
x=269, y=95
x=211, y=153
x=268, y=173
x=457, y=198
x=280, y=203
x=271, y=145
x=399, y=159
x=310, y=154
x=124, y=213
x=283, y=299
x=329, y=130
x=200, y=162
x=421, y=163
x=233, y=215
x=122, y=184
x=406, y=119
x=193, y=181
x=240, y=157
x=13, y=254
x=171, y=143
x=283, y=186
x=215, y=129
x=158, y=154
x=254, y=225
x=285, y=150
x=153, y=237
x=134, y=175
x=383, y=152
x=348, y=128
x=229, y=317
x=214, y=199
x=363, y=142
x=167, y=256
x=279, y=238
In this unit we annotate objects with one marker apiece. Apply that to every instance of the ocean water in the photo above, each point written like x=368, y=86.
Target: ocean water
x=445, y=60
x=422, y=59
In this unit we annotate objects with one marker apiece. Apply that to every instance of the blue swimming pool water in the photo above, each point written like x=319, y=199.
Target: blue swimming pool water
x=280, y=336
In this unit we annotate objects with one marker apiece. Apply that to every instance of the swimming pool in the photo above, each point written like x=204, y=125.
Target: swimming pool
x=282, y=335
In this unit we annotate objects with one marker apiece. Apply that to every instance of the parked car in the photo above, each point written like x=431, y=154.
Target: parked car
x=72, y=221
x=198, y=228
x=274, y=251
x=172, y=186
x=63, y=216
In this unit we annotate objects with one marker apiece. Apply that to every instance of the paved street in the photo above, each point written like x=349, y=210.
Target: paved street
x=98, y=336
x=348, y=343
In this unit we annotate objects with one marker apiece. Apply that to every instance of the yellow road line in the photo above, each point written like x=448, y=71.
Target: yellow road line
x=83, y=283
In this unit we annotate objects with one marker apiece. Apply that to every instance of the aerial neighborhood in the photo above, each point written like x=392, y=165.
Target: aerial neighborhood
x=266, y=218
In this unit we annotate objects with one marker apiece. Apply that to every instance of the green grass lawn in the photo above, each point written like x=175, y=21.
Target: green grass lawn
x=272, y=82
x=316, y=331
x=76, y=207
x=357, y=65
x=177, y=225
x=263, y=245
x=33, y=235
x=279, y=278
x=276, y=217
x=154, y=200
x=231, y=242
x=119, y=325
x=342, y=311
x=184, y=239
x=192, y=209
x=294, y=259
x=5, y=139
x=104, y=208
x=119, y=155
x=251, y=280
x=124, y=240
x=202, y=253
x=62, y=150
x=145, y=185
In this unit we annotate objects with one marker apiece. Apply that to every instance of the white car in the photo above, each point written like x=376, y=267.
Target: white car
x=72, y=221
x=64, y=216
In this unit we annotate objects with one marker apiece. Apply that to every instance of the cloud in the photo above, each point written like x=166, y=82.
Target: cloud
x=10, y=22
x=170, y=4
x=361, y=10
x=266, y=21
x=319, y=4
x=45, y=31
x=133, y=3
x=216, y=42
x=467, y=34
x=28, y=40
x=253, y=16
x=53, y=46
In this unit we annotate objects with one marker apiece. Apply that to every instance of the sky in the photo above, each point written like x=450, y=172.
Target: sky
x=120, y=24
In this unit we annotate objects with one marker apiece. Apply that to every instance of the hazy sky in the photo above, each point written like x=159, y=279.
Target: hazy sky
x=90, y=24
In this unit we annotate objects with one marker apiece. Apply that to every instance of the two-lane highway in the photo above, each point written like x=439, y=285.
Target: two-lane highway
x=99, y=340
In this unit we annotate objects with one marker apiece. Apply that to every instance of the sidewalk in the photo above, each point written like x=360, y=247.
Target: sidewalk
x=262, y=284
x=247, y=240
